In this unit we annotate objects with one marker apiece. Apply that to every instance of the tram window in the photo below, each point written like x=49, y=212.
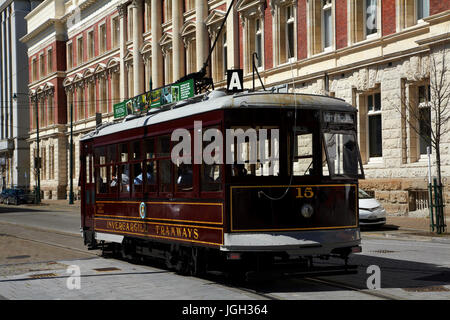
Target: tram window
x=184, y=178
x=136, y=151
x=303, y=153
x=88, y=170
x=165, y=175
x=163, y=148
x=124, y=171
x=268, y=152
x=101, y=181
x=100, y=156
x=112, y=179
x=211, y=177
x=123, y=152
x=138, y=174
x=256, y=152
x=151, y=172
x=342, y=154
x=112, y=154
x=149, y=146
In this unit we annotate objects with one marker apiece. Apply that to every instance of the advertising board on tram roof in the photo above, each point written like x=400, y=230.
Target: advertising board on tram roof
x=154, y=99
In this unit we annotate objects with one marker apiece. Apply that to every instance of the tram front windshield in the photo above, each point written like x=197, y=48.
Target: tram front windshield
x=307, y=149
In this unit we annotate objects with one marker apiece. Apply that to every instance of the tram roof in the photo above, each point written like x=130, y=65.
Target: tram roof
x=217, y=100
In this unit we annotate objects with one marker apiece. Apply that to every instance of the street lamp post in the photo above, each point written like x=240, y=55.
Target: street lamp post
x=71, y=156
x=37, y=159
x=38, y=162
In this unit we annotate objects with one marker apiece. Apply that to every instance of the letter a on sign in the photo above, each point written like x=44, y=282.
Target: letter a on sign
x=235, y=80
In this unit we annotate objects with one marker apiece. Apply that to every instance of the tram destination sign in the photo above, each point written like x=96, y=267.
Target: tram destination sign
x=154, y=99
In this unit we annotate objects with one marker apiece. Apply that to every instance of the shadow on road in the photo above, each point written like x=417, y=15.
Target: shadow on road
x=386, y=227
x=11, y=209
x=407, y=275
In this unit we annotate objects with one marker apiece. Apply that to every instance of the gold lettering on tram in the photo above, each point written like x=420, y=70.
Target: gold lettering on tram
x=305, y=193
x=177, y=232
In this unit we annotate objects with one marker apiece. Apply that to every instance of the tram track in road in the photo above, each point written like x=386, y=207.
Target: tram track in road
x=340, y=285
x=41, y=236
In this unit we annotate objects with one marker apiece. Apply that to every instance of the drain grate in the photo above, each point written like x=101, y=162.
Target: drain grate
x=382, y=251
x=18, y=257
x=427, y=289
x=43, y=275
x=107, y=269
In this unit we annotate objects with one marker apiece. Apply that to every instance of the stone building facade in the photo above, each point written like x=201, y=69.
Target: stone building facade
x=14, y=150
x=374, y=54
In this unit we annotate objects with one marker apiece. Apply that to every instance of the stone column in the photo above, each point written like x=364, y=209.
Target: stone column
x=138, y=62
x=232, y=28
x=201, y=33
x=123, y=50
x=157, y=58
x=177, y=42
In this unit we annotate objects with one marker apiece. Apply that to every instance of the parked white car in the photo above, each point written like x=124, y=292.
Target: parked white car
x=371, y=212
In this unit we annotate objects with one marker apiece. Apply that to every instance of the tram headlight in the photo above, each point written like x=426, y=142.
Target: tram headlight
x=307, y=211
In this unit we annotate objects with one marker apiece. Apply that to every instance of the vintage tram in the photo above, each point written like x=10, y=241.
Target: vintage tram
x=303, y=203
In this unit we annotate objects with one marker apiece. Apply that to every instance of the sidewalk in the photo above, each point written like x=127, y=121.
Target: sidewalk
x=411, y=228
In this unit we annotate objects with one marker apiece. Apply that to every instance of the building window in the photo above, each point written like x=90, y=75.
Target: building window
x=424, y=118
x=371, y=17
x=90, y=43
x=91, y=99
x=70, y=55
x=191, y=57
x=130, y=81
x=34, y=69
x=423, y=9
x=168, y=11
x=80, y=51
x=115, y=32
x=70, y=105
x=50, y=111
x=41, y=113
x=327, y=24
x=148, y=16
x=285, y=37
x=41, y=66
x=102, y=38
x=364, y=19
x=49, y=60
x=252, y=15
x=43, y=164
x=224, y=54
x=51, y=162
x=80, y=103
x=374, y=125
x=168, y=67
x=290, y=31
x=130, y=24
x=258, y=42
x=190, y=4
x=103, y=101
x=321, y=31
x=115, y=87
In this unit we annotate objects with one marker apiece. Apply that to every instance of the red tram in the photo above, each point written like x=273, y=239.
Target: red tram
x=137, y=200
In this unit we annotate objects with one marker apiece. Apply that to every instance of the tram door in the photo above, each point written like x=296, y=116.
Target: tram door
x=87, y=180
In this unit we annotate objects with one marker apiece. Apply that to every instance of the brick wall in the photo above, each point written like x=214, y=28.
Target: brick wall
x=341, y=24
x=388, y=24
x=437, y=6
x=301, y=30
x=268, y=43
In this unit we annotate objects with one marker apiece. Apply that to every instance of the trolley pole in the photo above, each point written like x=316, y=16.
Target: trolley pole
x=71, y=157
